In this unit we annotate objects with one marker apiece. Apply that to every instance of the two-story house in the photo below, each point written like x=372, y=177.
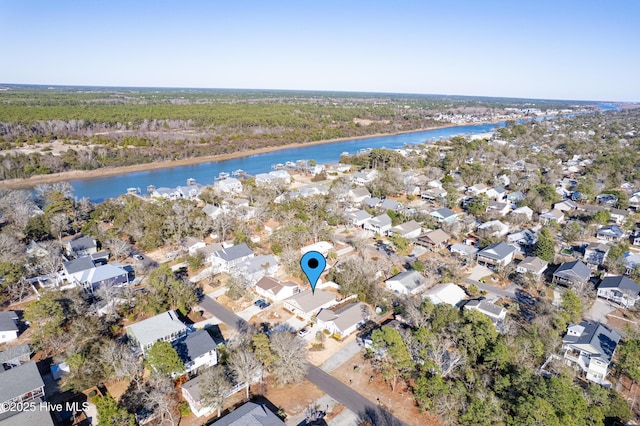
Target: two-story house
x=496, y=256
x=590, y=346
x=595, y=254
x=619, y=289
x=572, y=274
x=225, y=259
x=196, y=350
x=8, y=326
x=165, y=327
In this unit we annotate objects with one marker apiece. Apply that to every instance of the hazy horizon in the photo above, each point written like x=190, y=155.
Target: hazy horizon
x=547, y=50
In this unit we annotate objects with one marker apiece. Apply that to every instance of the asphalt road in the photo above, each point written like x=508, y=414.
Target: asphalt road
x=333, y=387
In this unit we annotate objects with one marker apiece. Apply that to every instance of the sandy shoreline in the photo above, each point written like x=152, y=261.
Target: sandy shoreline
x=110, y=171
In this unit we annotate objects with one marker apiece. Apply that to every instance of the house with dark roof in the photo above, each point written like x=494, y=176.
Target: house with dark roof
x=225, y=259
x=619, y=289
x=344, y=321
x=273, y=289
x=434, y=240
x=165, y=327
x=595, y=254
x=196, y=350
x=307, y=304
x=496, y=255
x=389, y=204
x=572, y=274
x=8, y=326
x=610, y=233
x=108, y=275
x=590, y=346
x=407, y=283
x=20, y=384
x=250, y=414
x=444, y=215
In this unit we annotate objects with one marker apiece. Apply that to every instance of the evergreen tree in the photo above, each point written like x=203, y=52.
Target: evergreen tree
x=545, y=249
x=163, y=359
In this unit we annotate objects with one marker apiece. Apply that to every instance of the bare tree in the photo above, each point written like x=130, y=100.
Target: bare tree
x=119, y=248
x=291, y=364
x=162, y=397
x=244, y=365
x=214, y=387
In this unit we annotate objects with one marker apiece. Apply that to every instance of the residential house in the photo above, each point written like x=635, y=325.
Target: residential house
x=634, y=201
x=566, y=206
x=449, y=293
x=81, y=246
x=35, y=249
x=631, y=262
x=497, y=193
x=208, y=252
x=516, y=197
x=322, y=247
x=371, y=202
x=364, y=177
x=21, y=384
x=434, y=195
x=444, y=215
x=8, y=326
x=192, y=394
x=496, y=207
x=434, y=240
x=619, y=289
x=313, y=189
x=610, y=233
x=553, y=215
x=307, y=304
x=607, y=200
x=227, y=258
x=524, y=240
x=477, y=189
x=408, y=230
x=344, y=321
x=165, y=327
x=252, y=414
x=595, y=254
x=228, y=185
x=196, y=350
x=72, y=270
x=464, y=250
x=254, y=268
x=619, y=216
x=379, y=224
x=357, y=195
x=406, y=283
x=524, y=211
x=590, y=347
x=532, y=265
x=192, y=244
x=109, y=275
x=273, y=178
x=495, y=313
x=389, y=204
x=495, y=228
x=359, y=218
x=15, y=356
x=572, y=274
x=496, y=255
x=635, y=237
x=212, y=211
x=275, y=290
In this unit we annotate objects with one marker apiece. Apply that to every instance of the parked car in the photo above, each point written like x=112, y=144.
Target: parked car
x=138, y=257
x=304, y=331
x=259, y=302
x=264, y=305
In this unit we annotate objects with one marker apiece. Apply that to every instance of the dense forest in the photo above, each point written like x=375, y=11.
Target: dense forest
x=52, y=130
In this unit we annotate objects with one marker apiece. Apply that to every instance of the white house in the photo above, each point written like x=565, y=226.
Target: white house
x=408, y=282
x=357, y=195
x=445, y=293
x=590, y=347
x=272, y=178
x=344, y=321
x=254, y=268
x=8, y=326
x=494, y=312
x=165, y=327
x=477, y=189
x=323, y=247
x=532, y=265
x=359, y=218
x=274, y=290
x=496, y=255
x=229, y=185
x=525, y=211
x=225, y=259
x=409, y=230
x=196, y=350
x=379, y=224
x=619, y=289
x=495, y=227
x=306, y=304
x=363, y=177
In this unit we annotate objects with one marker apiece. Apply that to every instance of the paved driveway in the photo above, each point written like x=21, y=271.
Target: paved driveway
x=600, y=309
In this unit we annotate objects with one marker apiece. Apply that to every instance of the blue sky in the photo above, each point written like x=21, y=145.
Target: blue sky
x=560, y=49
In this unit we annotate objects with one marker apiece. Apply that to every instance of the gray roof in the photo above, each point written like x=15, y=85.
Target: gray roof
x=622, y=283
x=612, y=230
x=409, y=279
x=594, y=338
x=19, y=380
x=533, y=263
x=388, y=204
x=78, y=265
x=484, y=306
x=497, y=251
x=308, y=301
x=516, y=196
x=573, y=270
x=464, y=248
x=258, y=263
x=360, y=192
x=345, y=317
x=407, y=227
x=107, y=274
x=155, y=328
x=234, y=252
x=11, y=354
x=361, y=215
x=210, y=209
x=7, y=321
x=39, y=416
x=194, y=345
x=250, y=414
x=443, y=212
x=371, y=201
x=82, y=243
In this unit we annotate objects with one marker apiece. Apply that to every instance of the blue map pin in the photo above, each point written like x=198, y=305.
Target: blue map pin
x=313, y=264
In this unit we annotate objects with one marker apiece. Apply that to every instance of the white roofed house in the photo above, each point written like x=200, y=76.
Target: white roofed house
x=254, y=268
x=192, y=244
x=589, y=346
x=566, y=205
x=407, y=283
x=274, y=290
x=498, y=208
x=323, y=247
x=379, y=224
x=389, y=204
x=496, y=255
x=494, y=312
x=228, y=185
x=495, y=228
x=212, y=211
x=409, y=230
x=8, y=326
x=634, y=201
x=477, y=189
x=619, y=289
x=448, y=293
x=226, y=259
x=344, y=321
x=524, y=240
x=553, y=215
x=532, y=265
x=307, y=304
x=196, y=350
x=273, y=178
x=165, y=327
x=109, y=275
x=359, y=218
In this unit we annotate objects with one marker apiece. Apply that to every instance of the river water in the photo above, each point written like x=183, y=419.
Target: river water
x=100, y=188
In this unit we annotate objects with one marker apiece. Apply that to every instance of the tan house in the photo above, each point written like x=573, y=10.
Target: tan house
x=306, y=304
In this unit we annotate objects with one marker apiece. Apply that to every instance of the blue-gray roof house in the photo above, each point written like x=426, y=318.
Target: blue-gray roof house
x=572, y=273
